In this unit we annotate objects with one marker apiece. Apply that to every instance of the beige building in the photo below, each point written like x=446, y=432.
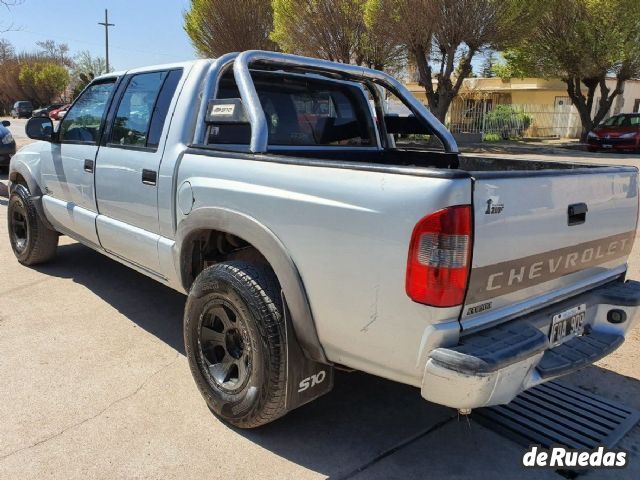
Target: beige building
x=545, y=101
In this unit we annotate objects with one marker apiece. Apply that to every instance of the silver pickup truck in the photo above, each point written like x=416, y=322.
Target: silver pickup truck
x=278, y=193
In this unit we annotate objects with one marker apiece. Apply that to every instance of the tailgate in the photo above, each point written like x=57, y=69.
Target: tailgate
x=541, y=236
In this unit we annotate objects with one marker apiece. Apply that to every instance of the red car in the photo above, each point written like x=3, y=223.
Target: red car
x=59, y=113
x=620, y=132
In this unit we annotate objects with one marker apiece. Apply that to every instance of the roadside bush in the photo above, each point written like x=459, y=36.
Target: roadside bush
x=491, y=137
x=506, y=121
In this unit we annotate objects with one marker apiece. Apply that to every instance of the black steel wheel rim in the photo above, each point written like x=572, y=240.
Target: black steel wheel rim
x=224, y=346
x=19, y=227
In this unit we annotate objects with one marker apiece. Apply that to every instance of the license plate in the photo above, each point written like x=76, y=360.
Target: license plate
x=566, y=325
x=607, y=145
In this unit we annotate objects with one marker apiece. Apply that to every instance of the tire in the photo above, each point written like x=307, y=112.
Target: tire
x=235, y=341
x=31, y=240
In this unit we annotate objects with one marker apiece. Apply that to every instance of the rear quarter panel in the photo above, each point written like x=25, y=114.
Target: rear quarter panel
x=348, y=233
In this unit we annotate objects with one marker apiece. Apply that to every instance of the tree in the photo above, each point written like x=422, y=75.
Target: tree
x=488, y=66
x=85, y=69
x=443, y=37
x=58, y=52
x=6, y=50
x=329, y=29
x=347, y=31
x=216, y=27
x=7, y=4
x=582, y=42
x=44, y=81
x=381, y=46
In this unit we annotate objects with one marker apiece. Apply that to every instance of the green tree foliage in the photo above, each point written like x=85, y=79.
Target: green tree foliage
x=45, y=81
x=216, y=27
x=44, y=74
x=582, y=42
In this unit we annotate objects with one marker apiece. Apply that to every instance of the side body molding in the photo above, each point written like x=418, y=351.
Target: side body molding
x=263, y=239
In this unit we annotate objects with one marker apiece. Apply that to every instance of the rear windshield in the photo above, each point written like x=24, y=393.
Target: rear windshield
x=622, y=121
x=24, y=104
x=302, y=112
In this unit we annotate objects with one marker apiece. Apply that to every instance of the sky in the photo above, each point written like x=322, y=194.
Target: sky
x=146, y=32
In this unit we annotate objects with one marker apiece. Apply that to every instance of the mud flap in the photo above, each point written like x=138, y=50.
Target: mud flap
x=306, y=379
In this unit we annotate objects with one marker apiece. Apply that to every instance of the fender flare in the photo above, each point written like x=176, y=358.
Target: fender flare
x=20, y=168
x=270, y=246
x=34, y=189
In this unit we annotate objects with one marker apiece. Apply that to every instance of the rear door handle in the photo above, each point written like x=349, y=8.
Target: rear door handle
x=88, y=166
x=577, y=213
x=149, y=177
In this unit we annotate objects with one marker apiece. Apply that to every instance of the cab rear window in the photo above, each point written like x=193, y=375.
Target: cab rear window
x=301, y=112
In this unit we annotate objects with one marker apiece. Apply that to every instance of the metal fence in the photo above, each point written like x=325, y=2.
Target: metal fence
x=508, y=120
x=513, y=120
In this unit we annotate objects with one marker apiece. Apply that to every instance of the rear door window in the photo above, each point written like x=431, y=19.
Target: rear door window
x=133, y=117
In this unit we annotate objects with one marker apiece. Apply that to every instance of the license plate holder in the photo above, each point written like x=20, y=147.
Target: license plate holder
x=567, y=325
x=607, y=145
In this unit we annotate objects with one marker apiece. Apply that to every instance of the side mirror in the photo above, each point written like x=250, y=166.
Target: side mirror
x=6, y=123
x=40, y=128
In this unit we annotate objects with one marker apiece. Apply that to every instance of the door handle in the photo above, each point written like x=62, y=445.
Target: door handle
x=577, y=213
x=149, y=177
x=88, y=166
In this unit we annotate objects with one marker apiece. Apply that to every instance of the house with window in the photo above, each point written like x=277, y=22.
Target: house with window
x=544, y=101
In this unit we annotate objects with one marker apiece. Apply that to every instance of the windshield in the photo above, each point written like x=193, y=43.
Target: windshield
x=622, y=121
x=24, y=104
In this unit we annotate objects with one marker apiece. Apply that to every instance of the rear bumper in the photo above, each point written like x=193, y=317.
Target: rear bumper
x=493, y=366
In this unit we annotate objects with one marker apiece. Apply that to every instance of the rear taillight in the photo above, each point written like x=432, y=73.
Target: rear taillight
x=440, y=257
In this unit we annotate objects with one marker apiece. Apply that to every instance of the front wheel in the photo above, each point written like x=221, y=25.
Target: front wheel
x=31, y=240
x=235, y=341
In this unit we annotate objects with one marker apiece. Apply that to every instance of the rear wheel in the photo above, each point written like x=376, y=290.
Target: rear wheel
x=235, y=342
x=31, y=240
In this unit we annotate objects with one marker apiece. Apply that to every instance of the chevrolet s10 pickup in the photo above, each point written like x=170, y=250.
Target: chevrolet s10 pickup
x=280, y=194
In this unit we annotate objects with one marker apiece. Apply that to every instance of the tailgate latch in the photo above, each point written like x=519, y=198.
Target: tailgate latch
x=577, y=213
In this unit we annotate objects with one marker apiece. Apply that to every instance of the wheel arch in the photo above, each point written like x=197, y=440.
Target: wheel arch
x=260, y=237
x=21, y=173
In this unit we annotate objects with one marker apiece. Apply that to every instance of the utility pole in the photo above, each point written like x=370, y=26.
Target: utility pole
x=106, y=35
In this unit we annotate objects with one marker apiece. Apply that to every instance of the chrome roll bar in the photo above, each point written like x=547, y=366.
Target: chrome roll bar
x=209, y=92
x=259, y=128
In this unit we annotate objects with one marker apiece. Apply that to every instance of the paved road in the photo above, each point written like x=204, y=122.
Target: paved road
x=95, y=384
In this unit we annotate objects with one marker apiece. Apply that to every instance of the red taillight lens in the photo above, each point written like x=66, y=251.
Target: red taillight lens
x=440, y=257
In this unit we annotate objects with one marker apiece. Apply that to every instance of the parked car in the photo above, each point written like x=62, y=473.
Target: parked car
x=22, y=109
x=620, y=132
x=7, y=145
x=307, y=240
x=44, y=112
x=59, y=113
